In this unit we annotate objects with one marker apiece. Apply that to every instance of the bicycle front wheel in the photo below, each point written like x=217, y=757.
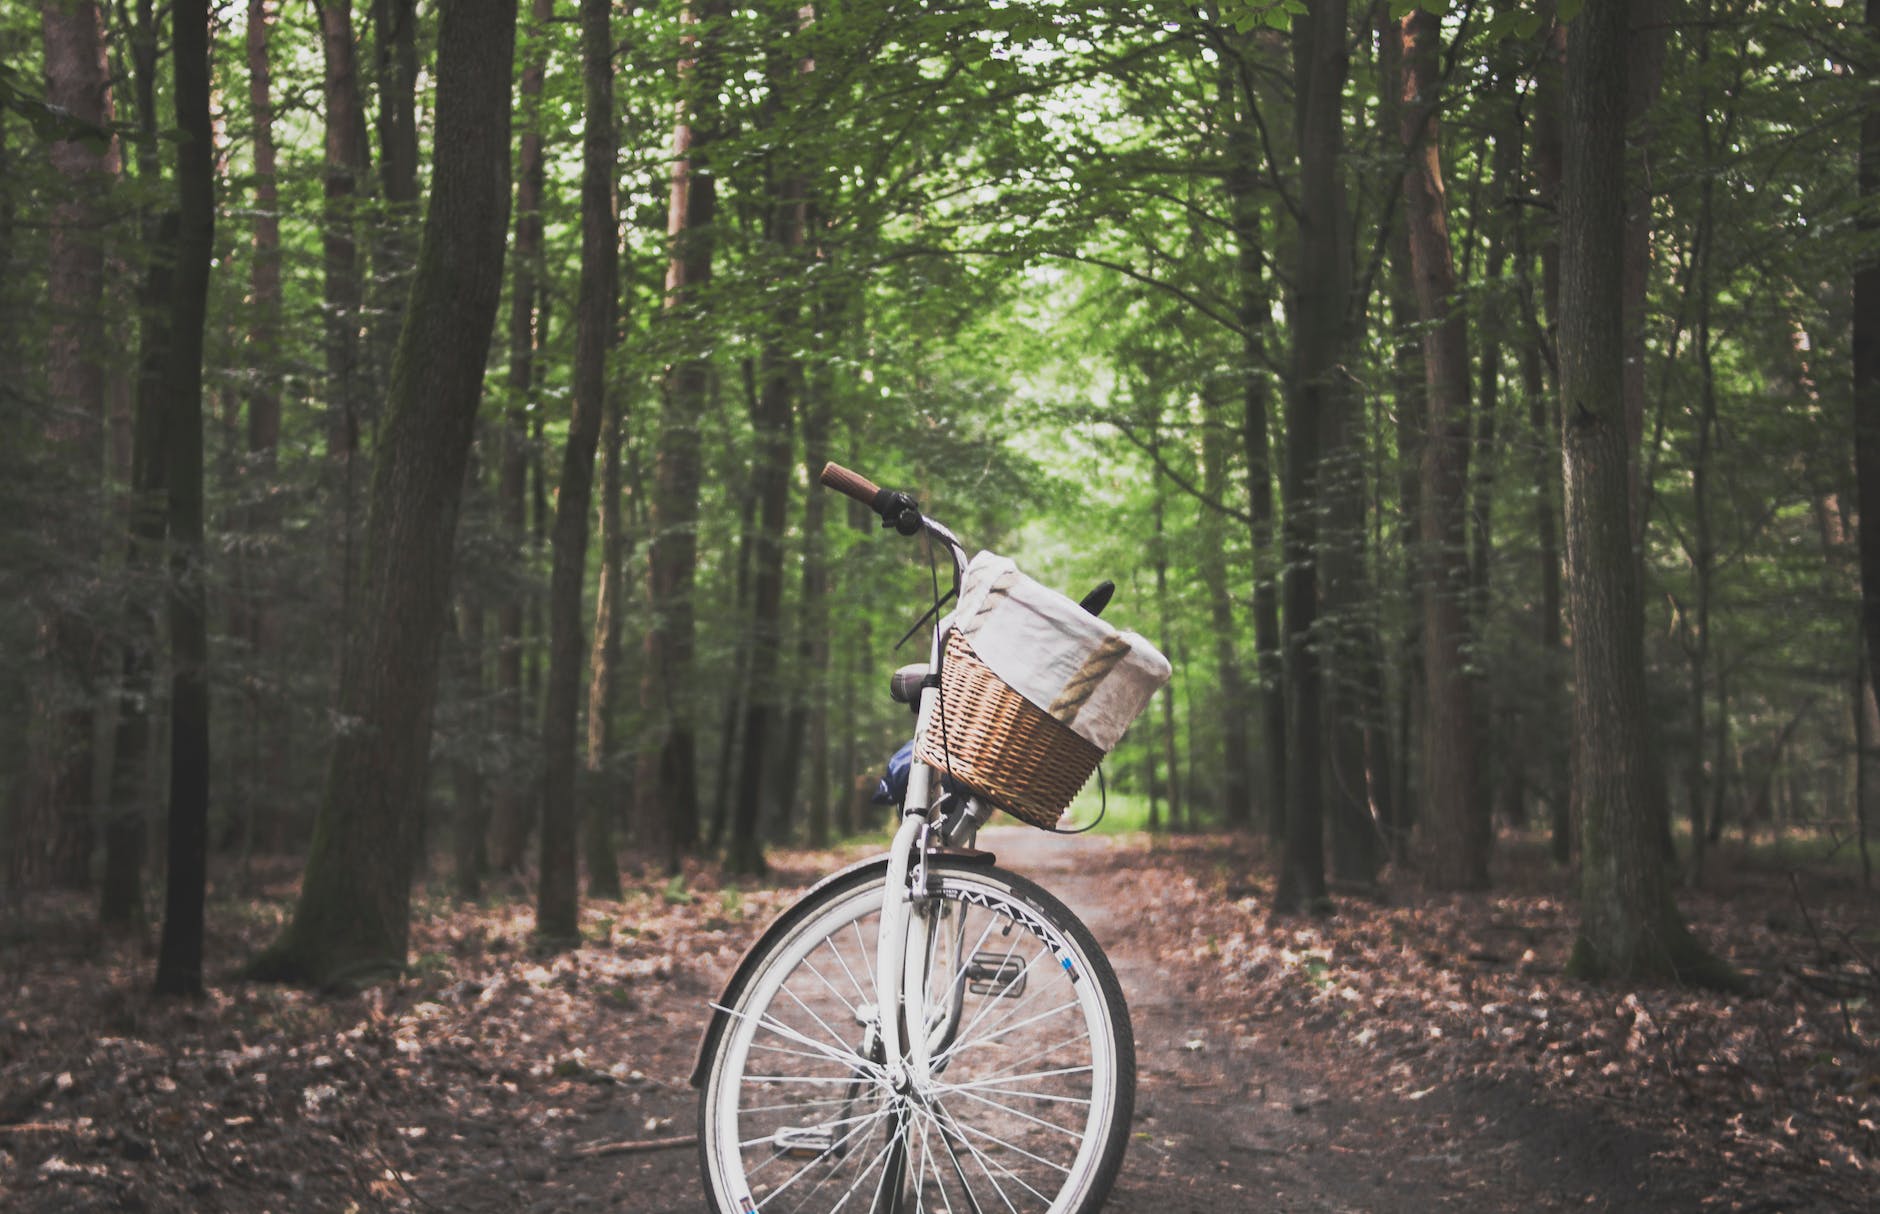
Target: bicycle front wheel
x=1028, y=1107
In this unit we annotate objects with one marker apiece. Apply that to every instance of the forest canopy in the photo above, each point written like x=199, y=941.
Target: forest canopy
x=1467, y=418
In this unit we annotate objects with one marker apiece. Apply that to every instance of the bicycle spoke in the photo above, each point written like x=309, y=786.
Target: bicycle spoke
x=1049, y=1125
x=1039, y=1053
x=982, y=1159
x=960, y=1045
x=1010, y=1146
x=992, y=1080
x=967, y=1089
x=829, y=942
x=748, y=1143
x=833, y=1035
x=847, y=1057
x=862, y=1125
x=959, y=1171
x=986, y=1006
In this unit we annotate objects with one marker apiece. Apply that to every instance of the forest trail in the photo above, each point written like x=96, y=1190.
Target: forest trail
x=1237, y=1115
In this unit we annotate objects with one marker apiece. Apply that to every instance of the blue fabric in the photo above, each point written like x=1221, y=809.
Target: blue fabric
x=892, y=790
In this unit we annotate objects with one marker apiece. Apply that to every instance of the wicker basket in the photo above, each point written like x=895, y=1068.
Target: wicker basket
x=1001, y=745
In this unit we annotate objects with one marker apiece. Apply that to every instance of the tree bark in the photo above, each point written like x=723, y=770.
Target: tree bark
x=520, y=793
x=1867, y=375
x=1407, y=379
x=558, y=906
x=354, y=911
x=1175, y=800
x=1236, y=755
x=1629, y=926
x=1322, y=302
x=346, y=171
x=1454, y=823
x=1252, y=312
x=1645, y=60
x=179, y=957
x=395, y=65
x=603, y=869
x=1544, y=422
x=121, y=900
x=669, y=786
x=813, y=645
x=77, y=80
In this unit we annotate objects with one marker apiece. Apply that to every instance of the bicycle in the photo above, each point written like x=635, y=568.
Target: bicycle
x=1001, y=1076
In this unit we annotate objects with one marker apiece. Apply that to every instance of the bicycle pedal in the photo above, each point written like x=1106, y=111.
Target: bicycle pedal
x=803, y=1142
x=996, y=974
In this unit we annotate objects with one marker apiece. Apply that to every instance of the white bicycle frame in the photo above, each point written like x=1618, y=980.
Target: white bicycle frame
x=903, y=933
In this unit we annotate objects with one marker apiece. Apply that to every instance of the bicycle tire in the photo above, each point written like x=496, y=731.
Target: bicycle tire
x=959, y=1145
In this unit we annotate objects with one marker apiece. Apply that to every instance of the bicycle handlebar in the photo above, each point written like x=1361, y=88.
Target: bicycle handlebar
x=897, y=510
x=853, y=484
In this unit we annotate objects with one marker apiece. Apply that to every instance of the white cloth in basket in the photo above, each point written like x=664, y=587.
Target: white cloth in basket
x=1084, y=673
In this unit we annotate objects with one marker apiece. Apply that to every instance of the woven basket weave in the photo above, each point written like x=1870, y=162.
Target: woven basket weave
x=1001, y=745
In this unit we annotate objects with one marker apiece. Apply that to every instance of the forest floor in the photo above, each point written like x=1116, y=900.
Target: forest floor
x=1416, y=1051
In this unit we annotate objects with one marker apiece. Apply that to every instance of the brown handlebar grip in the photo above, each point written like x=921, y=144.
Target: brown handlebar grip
x=857, y=486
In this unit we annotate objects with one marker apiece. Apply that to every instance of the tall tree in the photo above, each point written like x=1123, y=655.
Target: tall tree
x=1252, y=315
x=518, y=798
x=346, y=170
x=179, y=957
x=1867, y=369
x=603, y=868
x=1453, y=820
x=121, y=895
x=1629, y=925
x=559, y=904
x=353, y=916
x=1237, y=785
x=780, y=373
x=85, y=160
x=668, y=782
x=395, y=62
x=1323, y=290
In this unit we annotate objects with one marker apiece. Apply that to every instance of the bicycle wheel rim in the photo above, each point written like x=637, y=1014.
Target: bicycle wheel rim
x=1027, y=1112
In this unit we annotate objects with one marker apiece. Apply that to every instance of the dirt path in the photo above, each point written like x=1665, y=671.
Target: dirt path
x=1234, y=1114
x=1231, y=1115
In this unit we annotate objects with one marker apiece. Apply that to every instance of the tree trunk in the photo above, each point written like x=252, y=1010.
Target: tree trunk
x=1407, y=377
x=1867, y=376
x=345, y=172
x=514, y=818
x=471, y=817
x=1252, y=311
x=78, y=81
x=813, y=645
x=731, y=721
x=1645, y=60
x=354, y=911
x=558, y=906
x=1323, y=300
x=670, y=785
x=1454, y=823
x=1231, y=701
x=1703, y=547
x=395, y=61
x=780, y=373
x=179, y=957
x=1175, y=802
x=602, y=793
x=1629, y=926
x=121, y=901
